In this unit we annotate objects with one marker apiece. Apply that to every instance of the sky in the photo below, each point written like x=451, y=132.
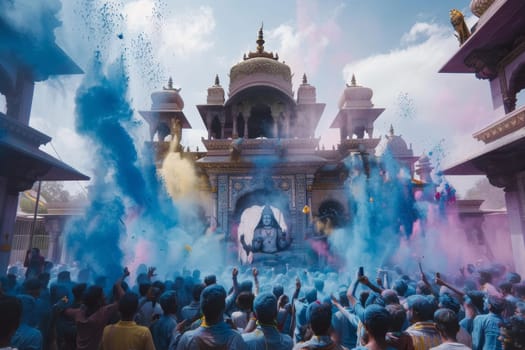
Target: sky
x=394, y=47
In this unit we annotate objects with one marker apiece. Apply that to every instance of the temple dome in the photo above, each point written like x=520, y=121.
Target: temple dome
x=355, y=96
x=397, y=146
x=261, y=68
x=168, y=99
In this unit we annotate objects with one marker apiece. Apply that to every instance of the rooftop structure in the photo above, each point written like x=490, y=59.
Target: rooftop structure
x=495, y=51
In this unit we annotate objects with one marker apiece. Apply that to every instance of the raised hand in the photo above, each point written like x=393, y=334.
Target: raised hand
x=255, y=273
x=297, y=283
x=125, y=273
x=151, y=272
x=438, y=280
x=235, y=272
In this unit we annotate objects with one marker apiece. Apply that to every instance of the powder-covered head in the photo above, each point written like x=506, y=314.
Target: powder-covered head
x=168, y=302
x=421, y=308
x=377, y=321
x=265, y=307
x=311, y=295
x=213, y=301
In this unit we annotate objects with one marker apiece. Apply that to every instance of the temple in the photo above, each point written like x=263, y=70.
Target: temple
x=495, y=51
x=261, y=148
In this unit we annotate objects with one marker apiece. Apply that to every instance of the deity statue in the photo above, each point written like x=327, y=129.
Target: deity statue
x=268, y=237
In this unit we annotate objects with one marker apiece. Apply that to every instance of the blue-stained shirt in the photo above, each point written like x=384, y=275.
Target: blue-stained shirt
x=162, y=331
x=485, y=332
x=319, y=342
x=267, y=337
x=190, y=311
x=346, y=328
x=27, y=338
x=218, y=336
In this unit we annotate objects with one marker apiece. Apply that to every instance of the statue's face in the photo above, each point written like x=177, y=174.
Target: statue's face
x=267, y=220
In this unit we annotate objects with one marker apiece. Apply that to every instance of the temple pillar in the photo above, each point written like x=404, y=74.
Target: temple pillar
x=287, y=117
x=53, y=228
x=309, y=183
x=515, y=201
x=234, y=131
x=208, y=124
x=222, y=203
x=19, y=102
x=8, y=206
x=222, y=119
x=246, y=117
x=300, y=202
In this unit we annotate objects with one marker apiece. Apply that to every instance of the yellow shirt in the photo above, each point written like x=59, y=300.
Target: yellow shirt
x=127, y=335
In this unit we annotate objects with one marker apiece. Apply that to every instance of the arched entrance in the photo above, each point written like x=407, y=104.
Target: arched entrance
x=248, y=213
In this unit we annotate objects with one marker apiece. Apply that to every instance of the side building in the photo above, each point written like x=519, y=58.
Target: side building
x=495, y=51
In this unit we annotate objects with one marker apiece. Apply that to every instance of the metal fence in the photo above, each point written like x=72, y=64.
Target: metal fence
x=21, y=238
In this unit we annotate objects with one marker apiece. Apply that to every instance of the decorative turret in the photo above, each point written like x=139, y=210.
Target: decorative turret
x=167, y=99
x=398, y=149
x=357, y=115
x=308, y=110
x=166, y=116
x=306, y=92
x=397, y=146
x=215, y=93
x=424, y=169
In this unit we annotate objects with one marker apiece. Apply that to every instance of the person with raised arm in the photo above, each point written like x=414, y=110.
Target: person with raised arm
x=94, y=314
x=344, y=322
x=266, y=335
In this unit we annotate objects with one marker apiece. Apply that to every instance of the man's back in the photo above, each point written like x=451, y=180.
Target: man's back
x=346, y=329
x=267, y=337
x=485, y=332
x=424, y=335
x=127, y=335
x=218, y=336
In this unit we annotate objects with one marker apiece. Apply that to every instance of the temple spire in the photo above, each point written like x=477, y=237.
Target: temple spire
x=260, y=40
x=391, y=130
x=217, y=82
x=305, y=81
x=353, y=82
x=170, y=84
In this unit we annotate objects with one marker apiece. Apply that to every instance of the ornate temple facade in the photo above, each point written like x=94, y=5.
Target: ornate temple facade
x=260, y=144
x=495, y=51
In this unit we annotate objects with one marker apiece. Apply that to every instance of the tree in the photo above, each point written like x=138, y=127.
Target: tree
x=53, y=191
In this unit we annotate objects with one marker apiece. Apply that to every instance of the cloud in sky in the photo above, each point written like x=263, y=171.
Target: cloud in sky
x=179, y=34
x=304, y=44
x=444, y=106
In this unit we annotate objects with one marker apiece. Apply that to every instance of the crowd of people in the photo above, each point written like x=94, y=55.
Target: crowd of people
x=46, y=308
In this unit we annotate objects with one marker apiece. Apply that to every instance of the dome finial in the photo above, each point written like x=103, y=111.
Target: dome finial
x=217, y=82
x=391, y=130
x=260, y=40
x=170, y=84
x=353, y=80
x=305, y=81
